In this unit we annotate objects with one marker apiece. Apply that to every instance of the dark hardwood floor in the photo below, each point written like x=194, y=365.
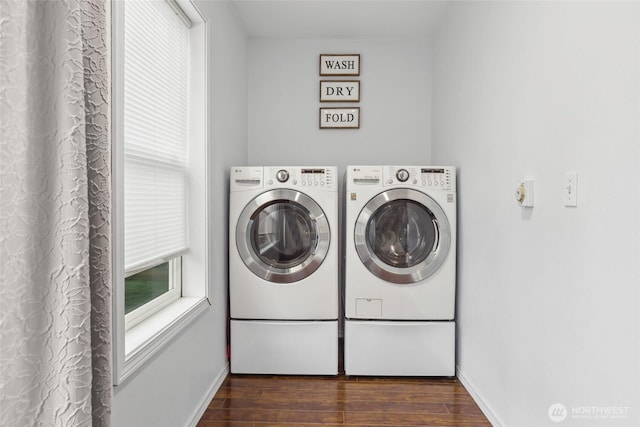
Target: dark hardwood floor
x=265, y=400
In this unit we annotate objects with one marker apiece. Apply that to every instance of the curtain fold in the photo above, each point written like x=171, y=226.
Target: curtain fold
x=55, y=260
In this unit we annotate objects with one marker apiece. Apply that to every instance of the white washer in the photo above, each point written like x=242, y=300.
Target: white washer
x=400, y=270
x=283, y=270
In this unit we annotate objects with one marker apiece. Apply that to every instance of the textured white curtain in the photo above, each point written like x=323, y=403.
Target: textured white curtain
x=55, y=281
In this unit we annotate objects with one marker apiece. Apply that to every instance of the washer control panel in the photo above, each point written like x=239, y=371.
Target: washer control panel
x=434, y=177
x=301, y=177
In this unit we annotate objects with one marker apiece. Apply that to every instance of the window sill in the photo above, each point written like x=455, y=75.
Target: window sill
x=148, y=337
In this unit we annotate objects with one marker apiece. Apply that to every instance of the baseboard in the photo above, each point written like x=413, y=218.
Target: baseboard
x=208, y=396
x=486, y=410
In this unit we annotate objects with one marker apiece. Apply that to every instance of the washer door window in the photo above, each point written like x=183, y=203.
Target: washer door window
x=402, y=236
x=283, y=236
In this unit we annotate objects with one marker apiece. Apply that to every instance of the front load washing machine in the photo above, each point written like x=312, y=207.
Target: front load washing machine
x=283, y=270
x=400, y=270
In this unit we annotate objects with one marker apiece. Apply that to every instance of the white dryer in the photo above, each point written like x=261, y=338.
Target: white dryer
x=400, y=270
x=283, y=270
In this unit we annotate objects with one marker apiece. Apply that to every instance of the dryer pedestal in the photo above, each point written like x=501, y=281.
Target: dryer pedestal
x=284, y=347
x=399, y=348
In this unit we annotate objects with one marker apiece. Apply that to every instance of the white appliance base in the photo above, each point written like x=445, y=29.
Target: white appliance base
x=284, y=347
x=399, y=348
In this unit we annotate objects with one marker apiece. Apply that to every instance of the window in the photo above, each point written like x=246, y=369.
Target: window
x=156, y=164
x=160, y=168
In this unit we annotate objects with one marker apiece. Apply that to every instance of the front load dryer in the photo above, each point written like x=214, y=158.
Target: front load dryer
x=400, y=270
x=283, y=270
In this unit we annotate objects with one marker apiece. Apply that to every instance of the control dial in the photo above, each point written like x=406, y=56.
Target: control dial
x=282, y=175
x=402, y=175
x=521, y=193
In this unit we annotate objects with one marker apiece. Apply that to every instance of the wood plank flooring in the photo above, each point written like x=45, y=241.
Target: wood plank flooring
x=301, y=401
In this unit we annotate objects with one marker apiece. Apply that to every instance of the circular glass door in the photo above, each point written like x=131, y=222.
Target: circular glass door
x=402, y=236
x=283, y=236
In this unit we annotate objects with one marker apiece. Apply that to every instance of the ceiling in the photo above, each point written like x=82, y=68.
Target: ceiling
x=359, y=19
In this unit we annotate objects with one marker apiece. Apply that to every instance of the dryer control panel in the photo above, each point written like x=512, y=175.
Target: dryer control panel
x=432, y=177
x=301, y=177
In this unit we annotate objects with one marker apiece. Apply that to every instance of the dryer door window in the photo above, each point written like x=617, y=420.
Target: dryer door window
x=402, y=233
x=283, y=236
x=402, y=236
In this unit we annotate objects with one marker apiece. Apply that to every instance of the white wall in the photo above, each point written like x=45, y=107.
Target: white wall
x=395, y=103
x=548, y=298
x=172, y=388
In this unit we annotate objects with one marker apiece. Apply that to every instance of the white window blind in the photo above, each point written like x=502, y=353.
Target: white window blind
x=156, y=115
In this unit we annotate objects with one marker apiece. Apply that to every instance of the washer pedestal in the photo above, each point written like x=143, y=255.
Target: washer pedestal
x=284, y=347
x=399, y=348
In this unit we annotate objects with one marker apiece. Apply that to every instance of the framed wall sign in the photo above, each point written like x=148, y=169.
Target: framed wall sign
x=339, y=64
x=339, y=91
x=340, y=118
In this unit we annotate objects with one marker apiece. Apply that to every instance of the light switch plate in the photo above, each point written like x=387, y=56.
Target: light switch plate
x=571, y=189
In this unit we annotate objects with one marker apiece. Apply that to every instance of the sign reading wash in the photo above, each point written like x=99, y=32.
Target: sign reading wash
x=339, y=65
x=334, y=90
